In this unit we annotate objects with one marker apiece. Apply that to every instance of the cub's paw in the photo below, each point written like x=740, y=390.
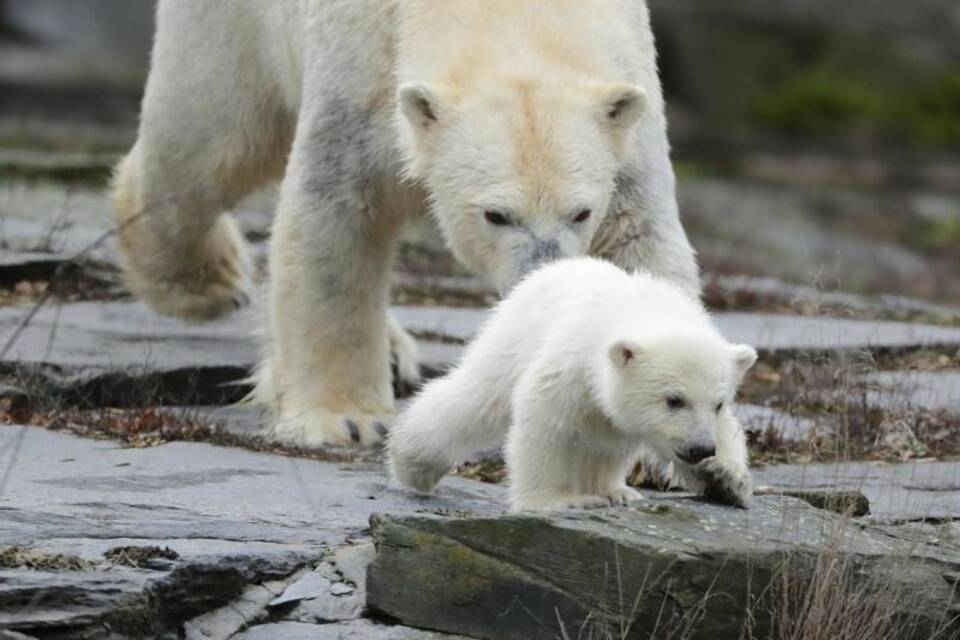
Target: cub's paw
x=417, y=474
x=318, y=428
x=558, y=503
x=210, y=281
x=724, y=482
x=621, y=496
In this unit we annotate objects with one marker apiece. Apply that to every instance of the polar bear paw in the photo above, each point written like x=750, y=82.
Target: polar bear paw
x=216, y=278
x=416, y=473
x=725, y=482
x=318, y=428
x=575, y=501
x=621, y=496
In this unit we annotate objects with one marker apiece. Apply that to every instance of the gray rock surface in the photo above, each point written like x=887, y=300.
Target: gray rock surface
x=356, y=630
x=934, y=390
x=648, y=567
x=767, y=332
x=116, y=353
x=235, y=518
x=335, y=591
x=759, y=419
x=905, y=491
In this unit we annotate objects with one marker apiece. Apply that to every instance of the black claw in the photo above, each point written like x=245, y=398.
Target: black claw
x=381, y=429
x=353, y=429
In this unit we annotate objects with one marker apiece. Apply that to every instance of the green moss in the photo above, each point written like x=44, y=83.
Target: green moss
x=934, y=235
x=827, y=104
x=816, y=104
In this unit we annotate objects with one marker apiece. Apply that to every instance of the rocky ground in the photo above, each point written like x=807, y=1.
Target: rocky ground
x=136, y=501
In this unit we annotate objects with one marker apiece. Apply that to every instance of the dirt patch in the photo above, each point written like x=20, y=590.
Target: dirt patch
x=835, y=394
x=22, y=558
x=491, y=470
x=139, y=557
x=441, y=297
x=59, y=282
x=151, y=427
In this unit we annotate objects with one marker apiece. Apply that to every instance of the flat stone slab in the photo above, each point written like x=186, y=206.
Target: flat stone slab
x=356, y=630
x=233, y=518
x=767, y=332
x=787, y=427
x=106, y=351
x=645, y=571
x=114, y=353
x=897, y=492
x=933, y=390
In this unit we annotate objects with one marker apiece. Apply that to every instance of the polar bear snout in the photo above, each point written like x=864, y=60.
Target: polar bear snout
x=696, y=453
x=541, y=253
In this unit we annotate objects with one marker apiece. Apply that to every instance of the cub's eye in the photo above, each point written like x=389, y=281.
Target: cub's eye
x=719, y=407
x=676, y=402
x=497, y=219
x=583, y=216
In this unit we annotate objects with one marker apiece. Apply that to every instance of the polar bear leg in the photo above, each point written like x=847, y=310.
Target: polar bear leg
x=404, y=356
x=193, y=160
x=452, y=417
x=726, y=476
x=554, y=456
x=328, y=367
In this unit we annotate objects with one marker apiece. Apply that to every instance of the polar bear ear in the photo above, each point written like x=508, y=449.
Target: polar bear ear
x=624, y=352
x=421, y=105
x=622, y=105
x=744, y=357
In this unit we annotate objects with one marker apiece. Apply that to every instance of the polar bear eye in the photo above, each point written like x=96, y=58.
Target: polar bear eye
x=719, y=407
x=497, y=219
x=676, y=402
x=583, y=216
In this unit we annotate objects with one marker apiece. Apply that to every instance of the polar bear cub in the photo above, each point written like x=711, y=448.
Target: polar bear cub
x=583, y=368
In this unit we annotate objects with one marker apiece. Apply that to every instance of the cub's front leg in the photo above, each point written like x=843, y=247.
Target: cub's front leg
x=725, y=477
x=328, y=370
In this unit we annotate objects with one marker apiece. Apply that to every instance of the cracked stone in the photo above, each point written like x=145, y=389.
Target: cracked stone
x=567, y=574
x=354, y=630
x=234, y=518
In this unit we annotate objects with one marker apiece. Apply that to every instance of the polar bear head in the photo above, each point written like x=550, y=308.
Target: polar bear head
x=519, y=173
x=673, y=390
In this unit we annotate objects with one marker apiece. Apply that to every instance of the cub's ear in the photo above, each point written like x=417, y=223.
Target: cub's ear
x=621, y=106
x=744, y=357
x=421, y=105
x=624, y=352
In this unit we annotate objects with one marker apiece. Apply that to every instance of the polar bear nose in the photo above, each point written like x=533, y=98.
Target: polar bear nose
x=542, y=252
x=696, y=454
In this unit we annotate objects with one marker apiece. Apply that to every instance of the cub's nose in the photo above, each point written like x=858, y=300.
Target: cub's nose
x=696, y=454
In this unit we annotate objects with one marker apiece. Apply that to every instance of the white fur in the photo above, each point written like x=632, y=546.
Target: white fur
x=574, y=370
x=371, y=110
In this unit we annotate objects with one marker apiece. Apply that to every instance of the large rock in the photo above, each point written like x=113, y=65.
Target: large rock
x=645, y=571
x=649, y=570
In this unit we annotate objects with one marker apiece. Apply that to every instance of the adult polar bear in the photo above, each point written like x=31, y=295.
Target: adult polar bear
x=530, y=129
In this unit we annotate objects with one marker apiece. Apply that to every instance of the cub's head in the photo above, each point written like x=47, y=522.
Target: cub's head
x=674, y=389
x=519, y=174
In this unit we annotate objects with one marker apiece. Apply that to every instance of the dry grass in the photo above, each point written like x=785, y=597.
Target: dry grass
x=151, y=427
x=833, y=392
x=139, y=557
x=21, y=558
x=832, y=600
x=829, y=596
